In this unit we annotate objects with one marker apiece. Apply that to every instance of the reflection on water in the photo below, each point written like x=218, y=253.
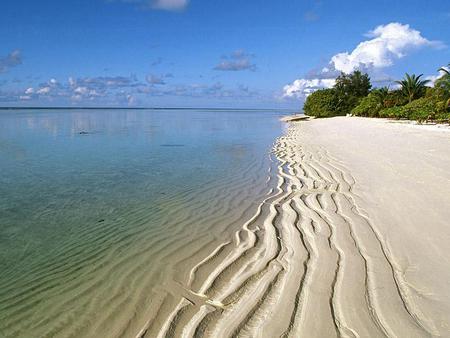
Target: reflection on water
x=90, y=194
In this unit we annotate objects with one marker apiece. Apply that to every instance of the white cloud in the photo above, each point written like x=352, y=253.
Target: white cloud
x=388, y=43
x=304, y=87
x=81, y=90
x=29, y=91
x=433, y=78
x=170, y=5
x=72, y=82
x=43, y=90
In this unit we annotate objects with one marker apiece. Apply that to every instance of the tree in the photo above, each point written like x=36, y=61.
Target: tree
x=446, y=70
x=350, y=89
x=395, y=98
x=412, y=86
x=321, y=103
x=381, y=95
x=441, y=92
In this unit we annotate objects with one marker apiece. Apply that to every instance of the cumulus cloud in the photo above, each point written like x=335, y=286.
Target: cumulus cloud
x=238, y=60
x=304, y=87
x=11, y=60
x=387, y=43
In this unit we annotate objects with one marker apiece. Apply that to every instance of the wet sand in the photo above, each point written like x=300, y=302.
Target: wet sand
x=351, y=240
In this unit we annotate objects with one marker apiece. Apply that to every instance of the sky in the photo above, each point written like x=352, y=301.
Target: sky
x=210, y=53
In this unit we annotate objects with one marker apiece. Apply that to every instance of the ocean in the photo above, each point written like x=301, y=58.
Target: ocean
x=103, y=212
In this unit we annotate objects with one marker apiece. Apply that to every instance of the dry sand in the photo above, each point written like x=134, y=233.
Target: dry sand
x=353, y=241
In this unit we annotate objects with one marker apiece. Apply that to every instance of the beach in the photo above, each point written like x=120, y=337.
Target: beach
x=351, y=240
x=124, y=223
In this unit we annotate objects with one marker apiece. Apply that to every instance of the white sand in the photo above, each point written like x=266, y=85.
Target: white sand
x=402, y=175
x=352, y=241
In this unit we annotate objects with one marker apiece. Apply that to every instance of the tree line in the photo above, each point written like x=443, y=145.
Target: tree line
x=413, y=100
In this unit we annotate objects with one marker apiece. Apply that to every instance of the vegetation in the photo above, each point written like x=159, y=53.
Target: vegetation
x=413, y=100
x=369, y=106
x=349, y=90
x=412, y=86
x=444, y=70
x=321, y=103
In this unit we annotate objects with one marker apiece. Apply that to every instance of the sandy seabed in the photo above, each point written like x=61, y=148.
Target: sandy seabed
x=352, y=241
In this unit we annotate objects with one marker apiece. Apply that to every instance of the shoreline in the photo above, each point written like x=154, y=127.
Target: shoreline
x=343, y=229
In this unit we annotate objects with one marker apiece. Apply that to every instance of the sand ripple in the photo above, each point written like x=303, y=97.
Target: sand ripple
x=307, y=263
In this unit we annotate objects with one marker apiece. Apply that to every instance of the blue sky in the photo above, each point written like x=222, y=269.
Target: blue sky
x=209, y=53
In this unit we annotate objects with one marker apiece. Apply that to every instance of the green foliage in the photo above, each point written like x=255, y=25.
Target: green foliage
x=445, y=70
x=381, y=94
x=321, y=103
x=414, y=100
x=421, y=109
x=442, y=117
x=441, y=93
x=412, y=86
x=350, y=89
x=393, y=112
x=395, y=98
x=369, y=105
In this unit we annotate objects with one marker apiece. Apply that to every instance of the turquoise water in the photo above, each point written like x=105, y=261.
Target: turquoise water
x=101, y=209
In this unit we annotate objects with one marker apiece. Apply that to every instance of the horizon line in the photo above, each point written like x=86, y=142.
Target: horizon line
x=142, y=108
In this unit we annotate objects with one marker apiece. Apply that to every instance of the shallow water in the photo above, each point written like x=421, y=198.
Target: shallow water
x=102, y=211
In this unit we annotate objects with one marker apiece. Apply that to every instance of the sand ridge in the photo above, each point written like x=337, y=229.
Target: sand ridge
x=310, y=262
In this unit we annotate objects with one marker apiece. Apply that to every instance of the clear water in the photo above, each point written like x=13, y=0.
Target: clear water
x=99, y=208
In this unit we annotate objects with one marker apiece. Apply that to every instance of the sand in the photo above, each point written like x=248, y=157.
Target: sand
x=352, y=241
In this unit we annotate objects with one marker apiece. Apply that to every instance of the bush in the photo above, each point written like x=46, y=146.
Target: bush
x=346, y=94
x=369, y=106
x=395, y=98
x=443, y=117
x=396, y=112
x=321, y=103
x=441, y=94
x=421, y=109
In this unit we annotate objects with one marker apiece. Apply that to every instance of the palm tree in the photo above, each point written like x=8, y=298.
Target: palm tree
x=412, y=86
x=446, y=70
x=442, y=86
